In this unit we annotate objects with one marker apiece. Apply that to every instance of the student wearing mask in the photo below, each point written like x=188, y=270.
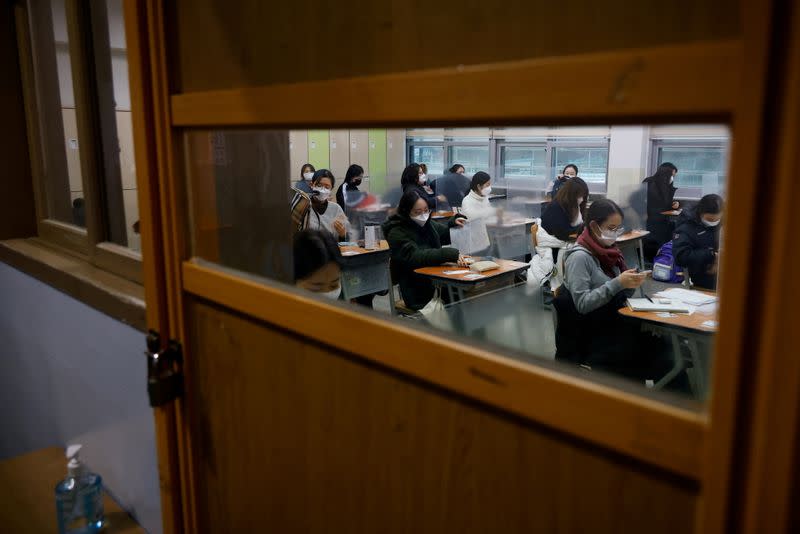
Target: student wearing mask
x=562, y=222
x=476, y=204
x=416, y=241
x=306, y=174
x=570, y=171
x=326, y=215
x=660, y=198
x=457, y=169
x=696, y=242
x=597, y=283
x=415, y=179
x=352, y=179
x=317, y=263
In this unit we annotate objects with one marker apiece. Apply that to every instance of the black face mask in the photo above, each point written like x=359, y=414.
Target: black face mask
x=357, y=182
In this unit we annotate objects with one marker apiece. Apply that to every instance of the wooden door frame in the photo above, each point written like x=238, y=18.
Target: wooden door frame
x=728, y=82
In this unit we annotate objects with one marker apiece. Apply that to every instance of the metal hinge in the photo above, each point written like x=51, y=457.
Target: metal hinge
x=164, y=374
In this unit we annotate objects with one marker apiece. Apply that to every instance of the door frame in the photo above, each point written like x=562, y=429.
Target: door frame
x=628, y=88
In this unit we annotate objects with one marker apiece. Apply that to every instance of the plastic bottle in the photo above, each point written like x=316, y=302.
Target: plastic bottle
x=79, y=498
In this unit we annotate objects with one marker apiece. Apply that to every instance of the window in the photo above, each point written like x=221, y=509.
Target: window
x=473, y=158
x=592, y=163
x=430, y=155
x=75, y=82
x=702, y=165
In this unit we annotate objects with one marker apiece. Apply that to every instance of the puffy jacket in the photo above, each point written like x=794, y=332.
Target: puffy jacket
x=693, y=246
x=414, y=246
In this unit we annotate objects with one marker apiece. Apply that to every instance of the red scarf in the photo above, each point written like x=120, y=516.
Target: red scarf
x=608, y=256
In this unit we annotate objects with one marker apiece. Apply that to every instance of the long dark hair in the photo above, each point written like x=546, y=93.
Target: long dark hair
x=479, y=178
x=353, y=171
x=711, y=204
x=304, y=167
x=410, y=175
x=313, y=250
x=567, y=197
x=662, y=174
x=601, y=210
x=407, y=202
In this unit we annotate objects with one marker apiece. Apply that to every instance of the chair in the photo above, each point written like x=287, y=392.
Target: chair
x=397, y=306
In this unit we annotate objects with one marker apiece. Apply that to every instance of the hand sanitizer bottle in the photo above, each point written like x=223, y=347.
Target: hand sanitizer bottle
x=79, y=498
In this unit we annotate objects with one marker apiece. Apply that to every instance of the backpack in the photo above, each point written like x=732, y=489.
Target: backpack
x=664, y=267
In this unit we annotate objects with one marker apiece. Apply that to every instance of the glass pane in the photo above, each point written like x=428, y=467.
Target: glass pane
x=592, y=163
x=701, y=170
x=114, y=109
x=473, y=158
x=500, y=267
x=432, y=156
x=55, y=103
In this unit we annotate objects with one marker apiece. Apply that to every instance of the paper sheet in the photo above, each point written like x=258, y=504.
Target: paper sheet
x=688, y=296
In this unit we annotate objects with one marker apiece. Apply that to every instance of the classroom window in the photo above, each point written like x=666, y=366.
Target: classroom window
x=430, y=155
x=702, y=167
x=510, y=307
x=79, y=107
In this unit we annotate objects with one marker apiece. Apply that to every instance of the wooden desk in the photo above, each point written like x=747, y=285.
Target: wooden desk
x=27, y=493
x=633, y=240
x=442, y=214
x=365, y=271
x=677, y=326
x=456, y=284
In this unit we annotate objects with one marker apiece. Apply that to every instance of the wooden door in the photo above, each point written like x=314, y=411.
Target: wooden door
x=291, y=423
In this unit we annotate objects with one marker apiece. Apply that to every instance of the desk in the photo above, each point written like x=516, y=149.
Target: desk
x=436, y=215
x=27, y=491
x=364, y=271
x=457, y=284
x=680, y=325
x=497, y=196
x=633, y=241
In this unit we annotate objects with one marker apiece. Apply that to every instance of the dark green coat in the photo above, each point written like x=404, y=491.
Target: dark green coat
x=414, y=246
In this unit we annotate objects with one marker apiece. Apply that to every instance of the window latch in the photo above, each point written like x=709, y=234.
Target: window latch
x=164, y=374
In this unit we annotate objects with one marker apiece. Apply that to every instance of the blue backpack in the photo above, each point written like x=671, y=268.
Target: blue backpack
x=664, y=267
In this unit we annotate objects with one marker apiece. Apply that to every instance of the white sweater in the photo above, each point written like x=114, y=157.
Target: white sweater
x=325, y=221
x=475, y=206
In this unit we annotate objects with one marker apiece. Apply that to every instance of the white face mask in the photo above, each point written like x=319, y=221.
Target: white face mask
x=422, y=218
x=487, y=191
x=333, y=295
x=711, y=223
x=308, y=175
x=322, y=193
x=423, y=178
x=580, y=201
x=671, y=179
x=610, y=238
x=578, y=220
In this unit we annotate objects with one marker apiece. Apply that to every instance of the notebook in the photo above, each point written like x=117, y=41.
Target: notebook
x=695, y=298
x=658, y=306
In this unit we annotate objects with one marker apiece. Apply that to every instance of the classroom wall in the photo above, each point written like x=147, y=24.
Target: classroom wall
x=380, y=151
x=69, y=374
x=122, y=98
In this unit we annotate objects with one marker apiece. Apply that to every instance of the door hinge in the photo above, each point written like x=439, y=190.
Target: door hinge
x=164, y=373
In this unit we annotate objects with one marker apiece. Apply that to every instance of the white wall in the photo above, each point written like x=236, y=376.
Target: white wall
x=69, y=373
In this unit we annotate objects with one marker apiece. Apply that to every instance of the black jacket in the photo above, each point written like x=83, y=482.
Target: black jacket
x=340, y=193
x=556, y=222
x=558, y=183
x=453, y=186
x=693, y=246
x=659, y=198
x=430, y=198
x=414, y=246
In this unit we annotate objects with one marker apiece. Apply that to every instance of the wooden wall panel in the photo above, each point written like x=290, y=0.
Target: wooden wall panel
x=260, y=43
x=291, y=436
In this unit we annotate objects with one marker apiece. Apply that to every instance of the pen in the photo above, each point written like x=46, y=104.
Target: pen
x=647, y=297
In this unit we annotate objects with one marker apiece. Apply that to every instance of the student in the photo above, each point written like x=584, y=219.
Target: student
x=306, y=174
x=476, y=204
x=564, y=215
x=570, y=171
x=597, y=283
x=414, y=179
x=416, y=241
x=452, y=187
x=696, y=242
x=660, y=198
x=317, y=263
x=456, y=169
x=562, y=222
x=352, y=179
x=324, y=214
